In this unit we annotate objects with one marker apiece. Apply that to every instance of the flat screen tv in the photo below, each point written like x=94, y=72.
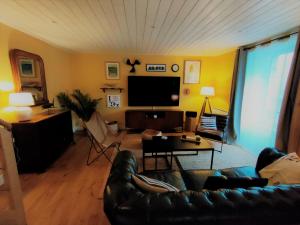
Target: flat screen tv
x=153, y=91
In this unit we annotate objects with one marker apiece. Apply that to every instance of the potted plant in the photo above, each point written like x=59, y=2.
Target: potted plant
x=82, y=104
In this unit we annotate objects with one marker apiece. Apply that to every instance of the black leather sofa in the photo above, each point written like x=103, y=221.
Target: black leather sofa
x=126, y=204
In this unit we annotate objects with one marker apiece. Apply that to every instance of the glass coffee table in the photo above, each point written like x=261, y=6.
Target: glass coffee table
x=171, y=146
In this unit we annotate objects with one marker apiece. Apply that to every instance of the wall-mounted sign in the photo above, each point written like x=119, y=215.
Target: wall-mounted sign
x=113, y=101
x=156, y=67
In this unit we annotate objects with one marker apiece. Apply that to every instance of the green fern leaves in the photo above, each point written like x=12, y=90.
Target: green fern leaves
x=82, y=104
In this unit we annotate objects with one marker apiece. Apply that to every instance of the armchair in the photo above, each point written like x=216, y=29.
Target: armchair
x=218, y=134
x=100, y=138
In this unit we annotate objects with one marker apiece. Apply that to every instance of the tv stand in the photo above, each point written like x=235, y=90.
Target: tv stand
x=164, y=120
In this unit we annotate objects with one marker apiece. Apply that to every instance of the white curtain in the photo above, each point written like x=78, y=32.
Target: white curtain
x=266, y=73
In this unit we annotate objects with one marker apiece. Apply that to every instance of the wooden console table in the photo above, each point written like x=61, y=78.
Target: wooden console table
x=164, y=120
x=40, y=141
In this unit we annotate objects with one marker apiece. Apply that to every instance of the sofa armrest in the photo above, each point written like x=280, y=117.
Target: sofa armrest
x=124, y=159
x=119, y=187
x=266, y=157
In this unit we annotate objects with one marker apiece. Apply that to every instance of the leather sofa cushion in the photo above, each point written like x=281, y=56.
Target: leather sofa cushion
x=245, y=171
x=217, y=182
x=171, y=177
x=195, y=179
x=245, y=182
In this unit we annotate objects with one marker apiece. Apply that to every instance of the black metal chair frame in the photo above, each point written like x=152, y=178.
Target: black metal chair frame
x=222, y=142
x=100, y=149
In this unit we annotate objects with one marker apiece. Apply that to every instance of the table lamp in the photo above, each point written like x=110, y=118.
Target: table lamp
x=21, y=101
x=206, y=91
x=6, y=86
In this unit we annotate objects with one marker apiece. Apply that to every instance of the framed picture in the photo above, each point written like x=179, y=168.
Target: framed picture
x=26, y=68
x=192, y=72
x=112, y=70
x=113, y=101
x=156, y=67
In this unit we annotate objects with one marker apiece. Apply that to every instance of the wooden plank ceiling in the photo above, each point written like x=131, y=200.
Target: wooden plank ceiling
x=171, y=27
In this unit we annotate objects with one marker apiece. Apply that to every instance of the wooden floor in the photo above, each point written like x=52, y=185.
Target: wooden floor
x=69, y=193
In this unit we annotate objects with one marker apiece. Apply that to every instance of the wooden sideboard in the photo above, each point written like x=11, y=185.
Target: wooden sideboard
x=40, y=141
x=164, y=120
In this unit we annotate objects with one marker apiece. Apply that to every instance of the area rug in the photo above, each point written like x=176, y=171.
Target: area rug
x=231, y=156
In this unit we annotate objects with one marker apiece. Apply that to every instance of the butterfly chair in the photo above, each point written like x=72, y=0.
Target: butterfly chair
x=213, y=127
x=100, y=137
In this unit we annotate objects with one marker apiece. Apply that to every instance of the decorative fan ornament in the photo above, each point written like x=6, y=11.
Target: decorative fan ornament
x=136, y=62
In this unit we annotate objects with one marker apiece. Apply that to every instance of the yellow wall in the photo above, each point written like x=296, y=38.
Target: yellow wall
x=66, y=71
x=88, y=74
x=57, y=61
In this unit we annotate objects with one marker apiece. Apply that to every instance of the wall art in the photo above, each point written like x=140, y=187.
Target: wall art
x=156, y=67
x=113, y=101
x=192, y=72
x=112, y=70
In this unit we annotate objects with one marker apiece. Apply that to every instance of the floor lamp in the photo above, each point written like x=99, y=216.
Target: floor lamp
x=206, y=91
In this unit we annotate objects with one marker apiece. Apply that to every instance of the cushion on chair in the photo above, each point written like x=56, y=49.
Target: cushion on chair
x=221, y=120
x=208, y=122
x=215, y=130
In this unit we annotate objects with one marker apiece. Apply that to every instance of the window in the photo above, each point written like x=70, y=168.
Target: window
x=266, y=74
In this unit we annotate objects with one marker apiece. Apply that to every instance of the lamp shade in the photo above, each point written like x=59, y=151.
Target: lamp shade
x=207, y=91
x=6, y=86
x=21, y=99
